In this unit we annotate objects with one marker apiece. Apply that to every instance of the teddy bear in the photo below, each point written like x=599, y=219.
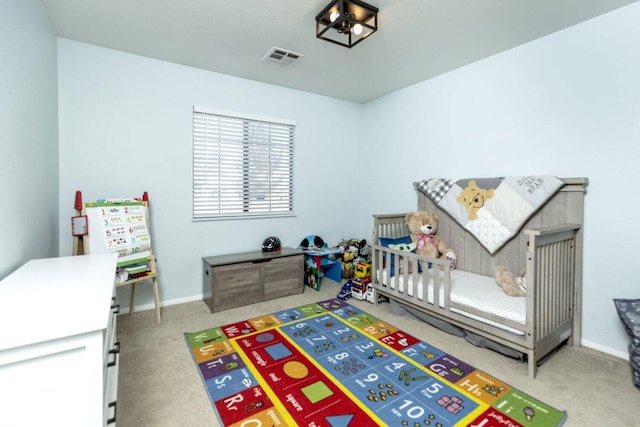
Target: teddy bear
x=423, y=227
x=473, y=198
x=510, y=284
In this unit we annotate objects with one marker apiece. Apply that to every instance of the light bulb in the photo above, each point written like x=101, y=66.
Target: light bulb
x=334, y=15
x=357, y=29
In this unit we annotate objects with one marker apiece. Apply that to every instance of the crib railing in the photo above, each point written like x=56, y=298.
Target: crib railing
x=551, y=278
x=429, y=289
x=391, y=226
x=552, y=288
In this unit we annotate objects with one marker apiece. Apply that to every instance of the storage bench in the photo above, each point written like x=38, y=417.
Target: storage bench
x=235, y=280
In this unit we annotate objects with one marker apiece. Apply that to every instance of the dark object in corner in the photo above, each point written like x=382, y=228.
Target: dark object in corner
x=629, y=313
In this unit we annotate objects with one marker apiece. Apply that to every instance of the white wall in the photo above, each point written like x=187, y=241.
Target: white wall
x=28, y=135
x=126, y=128
x=566, y=105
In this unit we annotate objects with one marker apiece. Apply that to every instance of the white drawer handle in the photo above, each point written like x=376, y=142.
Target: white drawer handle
x=115, y=307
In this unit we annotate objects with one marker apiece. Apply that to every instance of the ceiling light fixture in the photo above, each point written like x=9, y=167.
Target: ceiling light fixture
x=346, y=22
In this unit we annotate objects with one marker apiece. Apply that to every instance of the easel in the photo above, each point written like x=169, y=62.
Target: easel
x=81, y=246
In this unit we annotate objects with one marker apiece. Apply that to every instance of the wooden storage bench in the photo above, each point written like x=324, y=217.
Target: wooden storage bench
x=235, y=280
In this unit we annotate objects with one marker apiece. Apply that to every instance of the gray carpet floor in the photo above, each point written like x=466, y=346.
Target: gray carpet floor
x=159, y=384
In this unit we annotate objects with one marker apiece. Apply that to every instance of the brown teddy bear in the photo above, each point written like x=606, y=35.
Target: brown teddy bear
x=510, y=284
x=423, y=227
x=473, y=198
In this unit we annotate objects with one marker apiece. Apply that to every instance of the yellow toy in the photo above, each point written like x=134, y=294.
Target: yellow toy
x=362, y=270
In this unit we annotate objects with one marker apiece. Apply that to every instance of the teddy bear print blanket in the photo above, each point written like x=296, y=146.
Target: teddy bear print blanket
x=492, y=209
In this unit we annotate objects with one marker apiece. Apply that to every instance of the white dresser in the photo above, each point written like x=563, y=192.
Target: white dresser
x=58, y=355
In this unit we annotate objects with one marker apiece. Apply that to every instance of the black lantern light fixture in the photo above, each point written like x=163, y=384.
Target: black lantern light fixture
x=346, y=22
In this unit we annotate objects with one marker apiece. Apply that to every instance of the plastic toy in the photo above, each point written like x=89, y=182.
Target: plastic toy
x=312, y=242
x=271, y=244
x=345, y=293
x=362, y=270
x=361, y=289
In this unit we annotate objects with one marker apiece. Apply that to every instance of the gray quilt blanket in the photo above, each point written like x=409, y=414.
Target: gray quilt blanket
x=492, y=209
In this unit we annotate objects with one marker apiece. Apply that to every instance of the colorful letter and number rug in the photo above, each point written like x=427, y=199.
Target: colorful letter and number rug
x=332, y=364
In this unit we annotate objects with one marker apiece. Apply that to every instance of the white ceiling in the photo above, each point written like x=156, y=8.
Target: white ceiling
x=416, y=39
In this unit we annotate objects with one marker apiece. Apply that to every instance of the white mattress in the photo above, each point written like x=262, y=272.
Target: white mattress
x=475, y=290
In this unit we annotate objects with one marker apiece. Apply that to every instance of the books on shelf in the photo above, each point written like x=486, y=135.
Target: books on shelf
x=131, y=272
x=136, y=268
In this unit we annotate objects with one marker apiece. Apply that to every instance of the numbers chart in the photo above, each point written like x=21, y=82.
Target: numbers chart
x=125, y=229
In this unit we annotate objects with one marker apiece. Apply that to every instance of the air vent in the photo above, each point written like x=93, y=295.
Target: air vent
x=282, y=56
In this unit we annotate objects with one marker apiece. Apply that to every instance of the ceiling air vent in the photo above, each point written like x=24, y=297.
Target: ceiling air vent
x=282, y=56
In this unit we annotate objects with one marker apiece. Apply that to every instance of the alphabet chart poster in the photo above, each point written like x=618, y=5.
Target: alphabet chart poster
x=122, y=229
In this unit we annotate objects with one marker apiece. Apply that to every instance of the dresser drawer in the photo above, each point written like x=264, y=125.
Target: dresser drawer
x=111, y=365
x=110, y=332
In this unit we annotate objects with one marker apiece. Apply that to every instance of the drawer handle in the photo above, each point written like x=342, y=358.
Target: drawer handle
x=115, y=307
x=114, y=351
x=112, y=420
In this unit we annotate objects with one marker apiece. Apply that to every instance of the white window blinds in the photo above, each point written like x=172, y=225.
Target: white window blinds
x=242, y=166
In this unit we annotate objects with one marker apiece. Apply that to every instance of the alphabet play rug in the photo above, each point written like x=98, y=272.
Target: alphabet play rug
x=332, y=364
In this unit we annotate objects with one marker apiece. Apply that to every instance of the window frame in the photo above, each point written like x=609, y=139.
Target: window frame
x=248, y=154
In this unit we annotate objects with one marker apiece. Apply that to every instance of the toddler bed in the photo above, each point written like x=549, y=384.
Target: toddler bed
x=467, y=300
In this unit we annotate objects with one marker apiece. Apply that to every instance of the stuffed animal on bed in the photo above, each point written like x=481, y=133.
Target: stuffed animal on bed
x=510, y=284
x=406, y=247
x=423, y=227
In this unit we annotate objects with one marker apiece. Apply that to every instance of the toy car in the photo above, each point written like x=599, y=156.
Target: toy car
x=345, y=293
x=360, y=288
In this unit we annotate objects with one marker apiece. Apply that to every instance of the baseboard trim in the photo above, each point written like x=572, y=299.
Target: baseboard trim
x=152, y=306
x=604, y=349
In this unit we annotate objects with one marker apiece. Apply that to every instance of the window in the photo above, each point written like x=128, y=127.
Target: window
x=242, y=166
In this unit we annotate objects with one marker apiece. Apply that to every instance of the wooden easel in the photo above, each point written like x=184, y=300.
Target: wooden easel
x=81, y=246
x=78, y=239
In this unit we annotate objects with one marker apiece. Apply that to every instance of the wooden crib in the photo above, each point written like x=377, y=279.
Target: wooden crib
x=549, y=245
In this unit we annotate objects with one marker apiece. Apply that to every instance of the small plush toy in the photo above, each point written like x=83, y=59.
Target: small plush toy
x=363, y=249
x=423, y=227
x=406, y=247
x=510, y=284
x=353, y=251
